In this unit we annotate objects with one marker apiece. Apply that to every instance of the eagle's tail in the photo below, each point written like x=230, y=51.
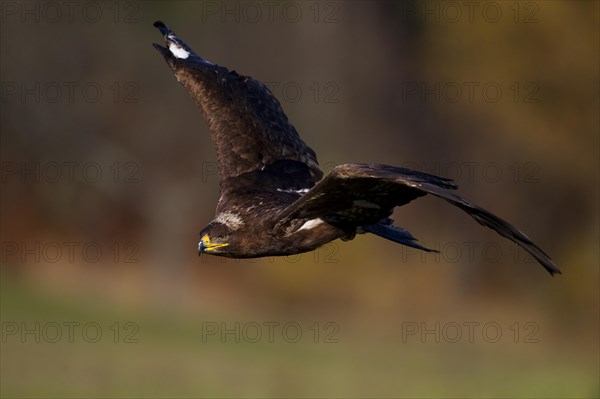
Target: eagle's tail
x=396, y=234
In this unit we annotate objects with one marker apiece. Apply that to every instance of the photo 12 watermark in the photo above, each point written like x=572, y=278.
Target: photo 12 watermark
x=270, y=332
x=70, y=12
x=463, y=171
x=327, y=254
x=317, y=92
x=452, y=332
x=270, y=12
x=466, y=252
x=476, y=171
x=90, y=332
x=469, y=92
x=28, y=252
x=469, y=12
x=68, y=92
x=70, y=172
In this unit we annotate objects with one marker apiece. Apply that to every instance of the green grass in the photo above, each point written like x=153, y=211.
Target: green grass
x=171, y=360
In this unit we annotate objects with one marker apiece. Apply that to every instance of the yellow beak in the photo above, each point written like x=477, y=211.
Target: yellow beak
x=206, y=246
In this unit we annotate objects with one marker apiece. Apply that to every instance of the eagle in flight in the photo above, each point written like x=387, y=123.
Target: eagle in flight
x=274, y=199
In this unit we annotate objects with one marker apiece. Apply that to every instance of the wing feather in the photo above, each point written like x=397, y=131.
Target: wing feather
x=248, y=126
x=386, y=186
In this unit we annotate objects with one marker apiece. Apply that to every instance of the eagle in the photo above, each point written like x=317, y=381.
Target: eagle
x=274, y=200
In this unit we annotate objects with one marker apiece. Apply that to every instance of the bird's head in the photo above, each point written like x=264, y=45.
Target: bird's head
x=214, y=239
x=221, y=236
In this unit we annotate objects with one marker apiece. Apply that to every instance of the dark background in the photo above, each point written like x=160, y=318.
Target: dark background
x=108, y=175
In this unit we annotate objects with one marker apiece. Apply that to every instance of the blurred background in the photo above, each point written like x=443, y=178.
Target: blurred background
x=108, y=174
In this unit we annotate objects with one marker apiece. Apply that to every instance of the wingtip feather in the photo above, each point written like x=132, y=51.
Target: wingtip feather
x=162, y=27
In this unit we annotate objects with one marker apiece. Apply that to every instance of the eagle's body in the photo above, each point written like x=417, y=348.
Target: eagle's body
x=274, y=199
x=251, y=204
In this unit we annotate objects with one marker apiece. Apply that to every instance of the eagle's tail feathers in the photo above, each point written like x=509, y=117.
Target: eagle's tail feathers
x=395, y=234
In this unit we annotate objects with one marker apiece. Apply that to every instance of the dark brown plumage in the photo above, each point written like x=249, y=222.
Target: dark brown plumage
x=273, y=200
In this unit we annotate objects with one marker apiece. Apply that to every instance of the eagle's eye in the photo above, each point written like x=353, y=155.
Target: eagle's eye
x=222, y=236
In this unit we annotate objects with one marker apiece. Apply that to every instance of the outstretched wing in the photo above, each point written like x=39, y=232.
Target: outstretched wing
x=349, y=190
x=248, y=127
